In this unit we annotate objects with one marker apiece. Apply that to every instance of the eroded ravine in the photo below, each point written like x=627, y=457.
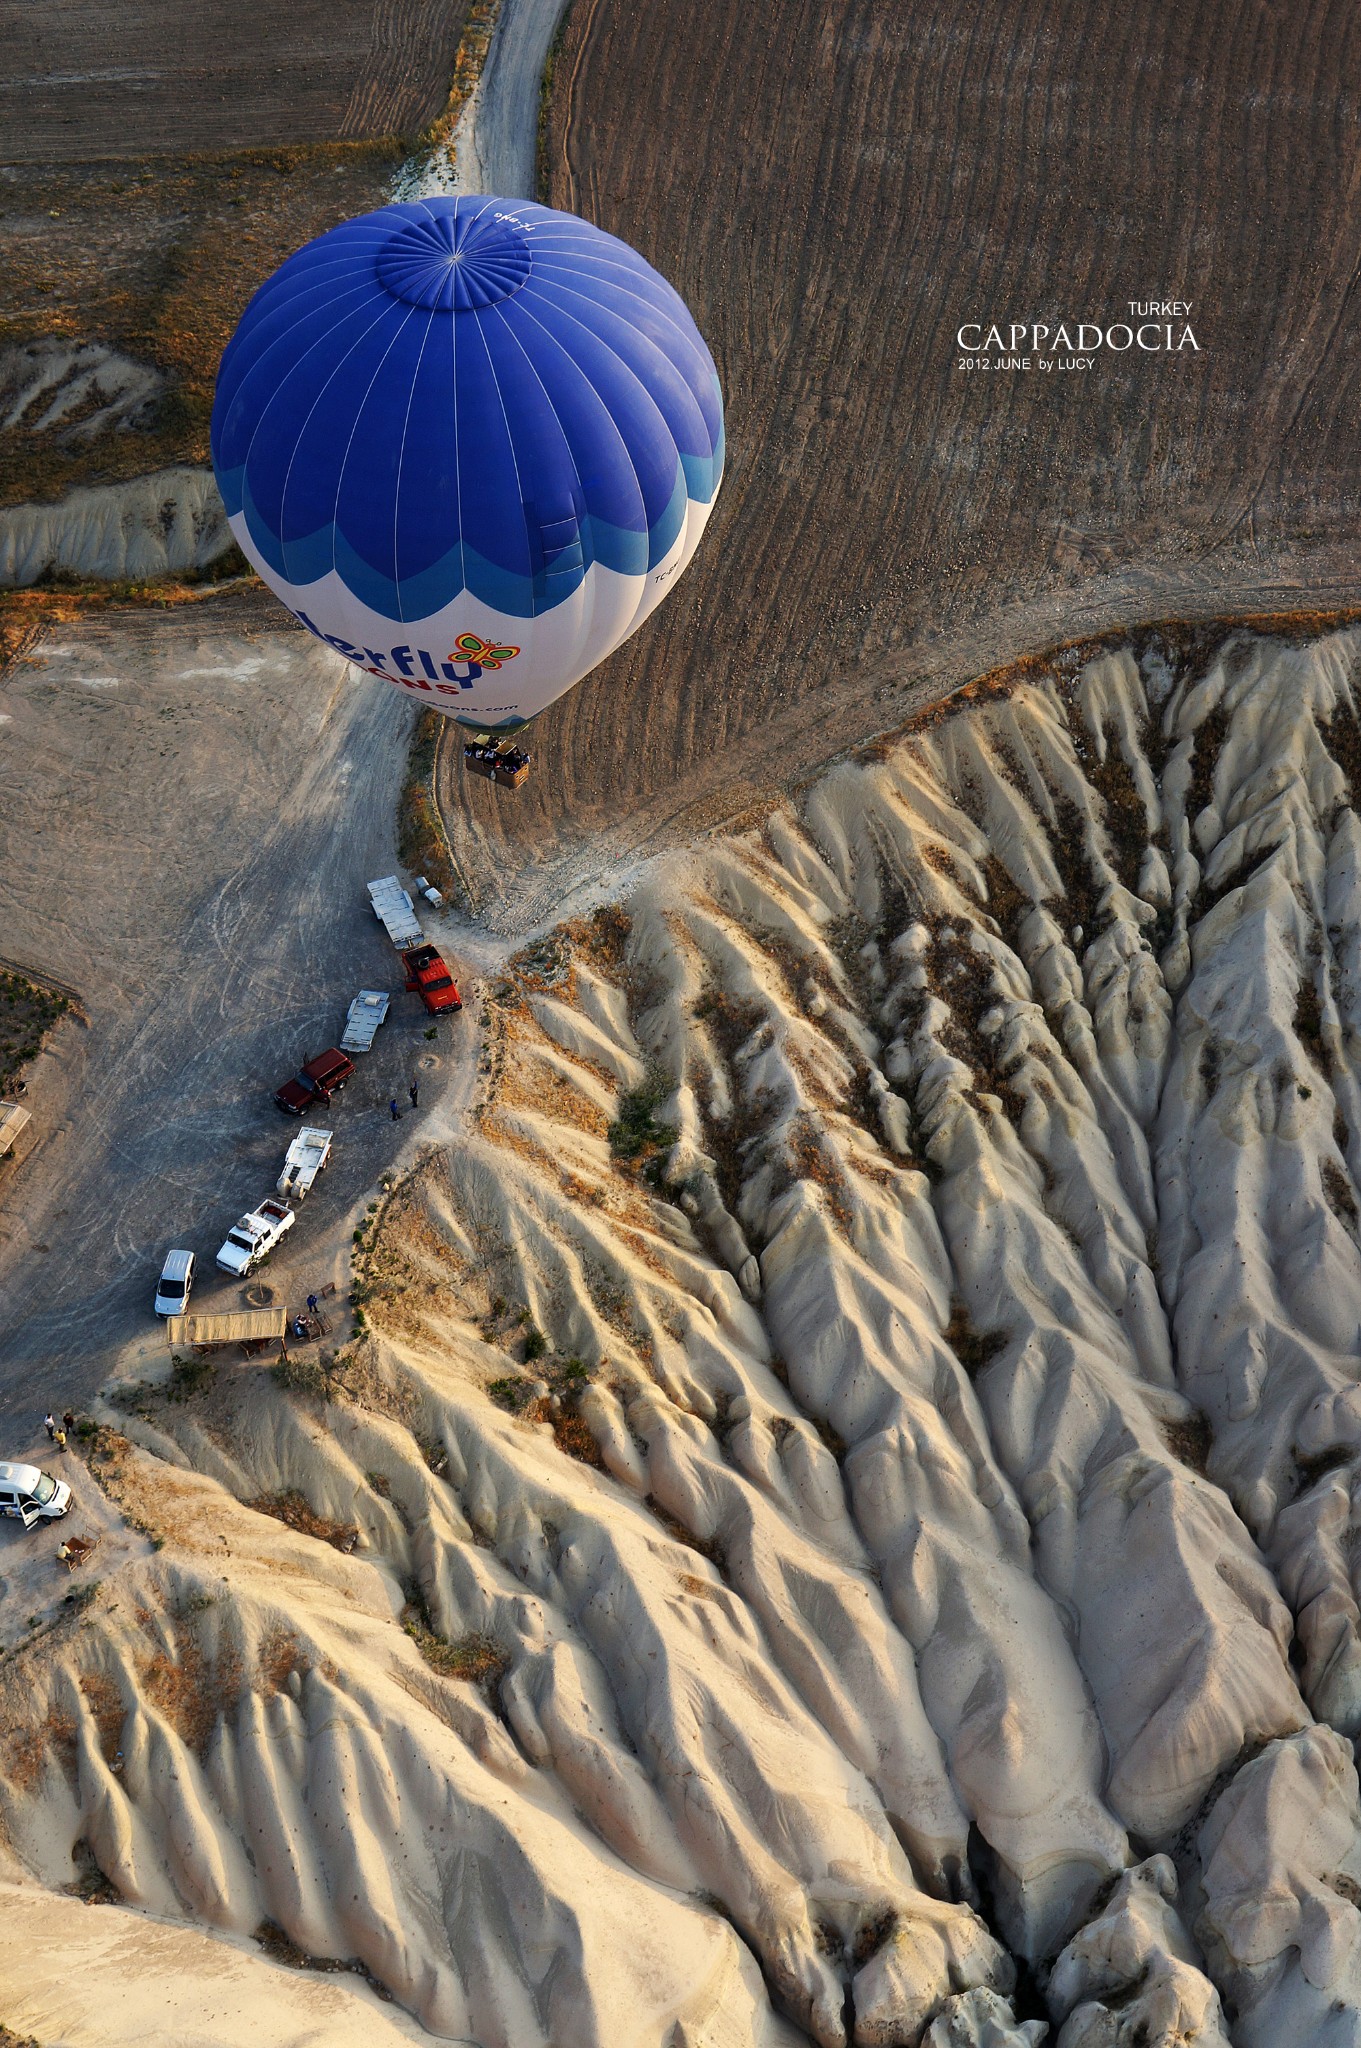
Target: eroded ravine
x=862, y=1436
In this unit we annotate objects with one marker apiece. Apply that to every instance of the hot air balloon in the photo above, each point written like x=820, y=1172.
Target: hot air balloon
x=470, y=443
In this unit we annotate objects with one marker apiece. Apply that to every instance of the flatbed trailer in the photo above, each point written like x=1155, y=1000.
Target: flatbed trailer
x=249, y=1327
x=366, y=1013
x=306, y=1157
x=396, y=913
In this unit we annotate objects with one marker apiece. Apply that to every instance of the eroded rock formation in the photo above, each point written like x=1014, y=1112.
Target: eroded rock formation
x=871, y=1414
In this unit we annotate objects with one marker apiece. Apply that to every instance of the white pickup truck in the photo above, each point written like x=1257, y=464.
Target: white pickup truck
x=366, y=1013
x=253, y=1236
x=395, y=912
x=304, y=1160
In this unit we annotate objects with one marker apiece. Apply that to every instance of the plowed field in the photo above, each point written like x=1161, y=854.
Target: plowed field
x=89, y=81
x=838, y=187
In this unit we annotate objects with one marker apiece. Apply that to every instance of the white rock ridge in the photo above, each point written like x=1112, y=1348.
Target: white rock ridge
x=70, y=392
x=74, y=390
x=156, y=525
x=870, y=1413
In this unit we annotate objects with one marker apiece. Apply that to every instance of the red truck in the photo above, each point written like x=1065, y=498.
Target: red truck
x=428, y=975
x=318, y=1081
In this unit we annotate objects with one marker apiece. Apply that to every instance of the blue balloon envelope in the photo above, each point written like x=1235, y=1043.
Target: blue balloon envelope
x=471, y=443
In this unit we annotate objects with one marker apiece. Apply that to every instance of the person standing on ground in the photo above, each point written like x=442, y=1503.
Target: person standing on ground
x=311, y=1304
x=50, y=1425
x=59, y=1438
x=414, y=1092
x=393, y=1111
x=68, y=1420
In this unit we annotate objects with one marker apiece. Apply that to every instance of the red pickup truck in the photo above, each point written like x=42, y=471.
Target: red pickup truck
x=318, y=1081
x=428, y=975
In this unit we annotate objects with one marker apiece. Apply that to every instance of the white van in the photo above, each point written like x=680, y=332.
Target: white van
x=30, y=1496
x=172, y=1289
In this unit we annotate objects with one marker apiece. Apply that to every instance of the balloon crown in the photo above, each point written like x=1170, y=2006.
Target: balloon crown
x=456, y=262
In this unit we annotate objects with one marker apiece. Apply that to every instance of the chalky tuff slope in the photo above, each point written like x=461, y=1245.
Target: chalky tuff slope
x=911, y=1597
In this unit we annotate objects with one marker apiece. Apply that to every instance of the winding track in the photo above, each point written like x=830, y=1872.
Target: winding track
x=497, y=136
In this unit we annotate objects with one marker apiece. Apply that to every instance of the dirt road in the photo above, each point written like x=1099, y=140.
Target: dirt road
x=498, y=131
x=190, y=805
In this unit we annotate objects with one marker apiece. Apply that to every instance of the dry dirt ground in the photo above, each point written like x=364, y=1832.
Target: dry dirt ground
x=90, y=82
x=190, y=805
x=155, y=259
x=835, y=189
x=157, y=163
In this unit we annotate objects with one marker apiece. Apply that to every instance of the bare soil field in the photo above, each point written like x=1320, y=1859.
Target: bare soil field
x=155, y=259
x=88, y=82
x=156, y=164
x=836, y=190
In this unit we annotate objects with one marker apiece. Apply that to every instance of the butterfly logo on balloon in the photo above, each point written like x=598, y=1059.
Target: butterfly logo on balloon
x=485, y=653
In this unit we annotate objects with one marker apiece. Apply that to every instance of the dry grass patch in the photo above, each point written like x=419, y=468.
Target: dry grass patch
x=182, y=1691
x=546, y=967
x=370, y=1386
x=700, y=1589
x=107, y=1711
x=809, y=1160
x=972, y=1347
x=421, y=843
x=280, y=1948
x=643, y=1247
x=29, y=1751
x=1190, y=1440
x=191, y=1690
x=141, y=1502
x=474, y=1658
x=500, y=1133
x=602, y=939
x=295, y=1512
x=281, y=1654
x=28, y=1012
x=534, y=1084
x=566, y=1379
x=883, y=1176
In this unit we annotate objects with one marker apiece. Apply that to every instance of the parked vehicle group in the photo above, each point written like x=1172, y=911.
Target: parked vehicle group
x=316, y=1084
x=31, y=1496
